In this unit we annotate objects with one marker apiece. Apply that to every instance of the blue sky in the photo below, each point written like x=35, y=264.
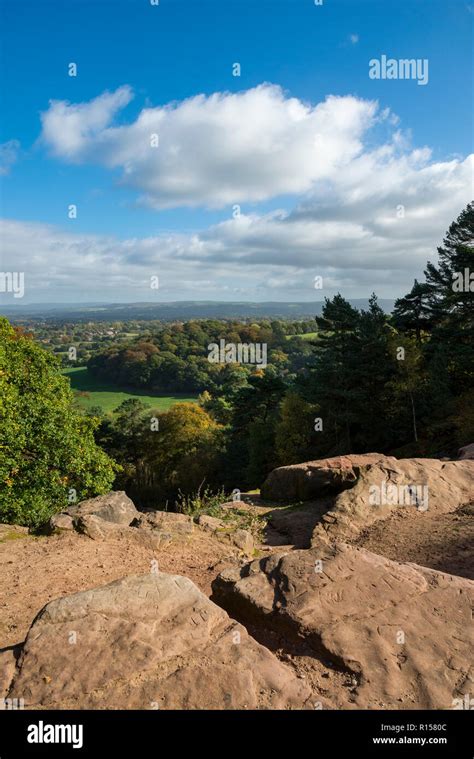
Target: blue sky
x=135, y=216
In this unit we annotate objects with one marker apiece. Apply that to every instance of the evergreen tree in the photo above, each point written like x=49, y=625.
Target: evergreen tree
x=412, y=313
x=331, y=384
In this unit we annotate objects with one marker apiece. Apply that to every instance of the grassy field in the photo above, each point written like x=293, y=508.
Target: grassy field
x=90, y=391
x=305, y=336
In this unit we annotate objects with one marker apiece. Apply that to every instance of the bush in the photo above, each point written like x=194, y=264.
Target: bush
x=207, y=502
x=48, y=455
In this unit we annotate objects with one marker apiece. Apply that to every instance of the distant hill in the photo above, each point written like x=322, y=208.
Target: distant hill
x=172, y=311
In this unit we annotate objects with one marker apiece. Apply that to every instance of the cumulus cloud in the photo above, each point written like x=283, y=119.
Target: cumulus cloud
x=373, y=229
x=8, y=155
x=216, y=150
x=364, y=218
x=71, y=130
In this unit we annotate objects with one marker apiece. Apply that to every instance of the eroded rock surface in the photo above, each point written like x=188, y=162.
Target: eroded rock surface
x=423, y=485
x=146, y=642
x=312, y=479
x=405, y=632
x=114, y=507
x=165, y=520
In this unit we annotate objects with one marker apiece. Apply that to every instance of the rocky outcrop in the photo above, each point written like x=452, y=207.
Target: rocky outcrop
x=403, y=631
x=312, y=479
x=148, y=642
x=99, y=529
x=352, y=492
x=381, y=488
x=114, y=507
x=242, y=539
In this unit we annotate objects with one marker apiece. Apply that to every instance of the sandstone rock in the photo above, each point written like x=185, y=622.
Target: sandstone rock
x=169, y=521
x=98, y=529
x=243, y=539
x=210, y=524
x=114, y=507
x=352, y=492
x=145, y=642
x=402, y=631
x=389, y=485
x=8, y=658
x=302, y=482
x=466, y=453
x=234, y=505
x=61, y=521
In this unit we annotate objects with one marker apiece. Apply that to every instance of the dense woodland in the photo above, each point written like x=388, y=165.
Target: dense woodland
x=368, y=381
x=348, y=381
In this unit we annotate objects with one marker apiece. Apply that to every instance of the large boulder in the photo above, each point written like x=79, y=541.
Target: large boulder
x=147, y=642
x=99, y=529
x=403, y=632
x=114, y=507
x=312, y=479
x=383, y=487
x=350, y=493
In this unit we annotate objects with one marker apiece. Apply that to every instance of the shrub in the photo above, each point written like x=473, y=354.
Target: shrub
x=48, y=455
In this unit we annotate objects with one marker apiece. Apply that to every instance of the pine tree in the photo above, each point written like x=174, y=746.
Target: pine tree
x=331, y=383
x=452, y=301
x=413, y=313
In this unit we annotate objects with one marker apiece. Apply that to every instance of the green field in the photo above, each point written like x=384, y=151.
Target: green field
x=305, y=336
x=90, y=391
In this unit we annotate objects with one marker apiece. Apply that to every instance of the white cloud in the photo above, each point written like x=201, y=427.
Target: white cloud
x=71, y=130
x=354, y=38
x=8, y=155
x=214, y=150
x=352, y=235
x=364, y=218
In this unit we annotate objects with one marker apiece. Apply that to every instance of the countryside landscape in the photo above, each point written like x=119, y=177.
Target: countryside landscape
x=236, y=371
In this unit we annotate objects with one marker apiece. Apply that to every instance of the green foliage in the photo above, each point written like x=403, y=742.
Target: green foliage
x=294, y=429
x=162, y=453
x=47, y=448
x=206, y=502
x=175, y=358
x=99, y=396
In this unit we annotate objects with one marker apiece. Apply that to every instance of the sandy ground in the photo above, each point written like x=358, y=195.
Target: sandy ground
x=444, y=542
x=35, y=570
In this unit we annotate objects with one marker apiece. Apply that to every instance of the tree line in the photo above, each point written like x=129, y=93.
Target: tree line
x=367, y=381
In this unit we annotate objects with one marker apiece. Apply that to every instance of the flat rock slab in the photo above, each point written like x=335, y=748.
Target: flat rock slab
x=403, y=631
x=146, y=642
